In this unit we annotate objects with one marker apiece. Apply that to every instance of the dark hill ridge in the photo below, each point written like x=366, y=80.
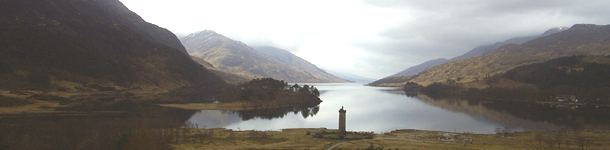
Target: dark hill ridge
x=236, y=57
x=578, y=71
x=298, y=63
x=85, y=42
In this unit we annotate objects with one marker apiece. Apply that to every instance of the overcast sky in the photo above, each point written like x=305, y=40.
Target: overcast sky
x=371, y=38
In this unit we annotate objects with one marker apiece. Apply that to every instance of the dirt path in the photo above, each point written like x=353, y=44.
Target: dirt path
x=332, y=147
x=336, y=145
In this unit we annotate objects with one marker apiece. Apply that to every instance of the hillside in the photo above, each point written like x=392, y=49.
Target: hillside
x=398, y=81
x=477, y=51
x=576, y=71
x=75, y=45
x=580, y=39
x=421, y=67
x=402, y=77
x=580, y=77
x=228, y=77
x=298, y=63
x=238, y=58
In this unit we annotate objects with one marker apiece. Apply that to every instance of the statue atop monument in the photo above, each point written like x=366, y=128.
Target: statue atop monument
x=342, y=122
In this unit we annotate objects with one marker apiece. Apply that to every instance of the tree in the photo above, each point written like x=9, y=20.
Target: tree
x=412, y=87
x=40, y=80
x=296, y=88
x=305, y=89
x=316, y=92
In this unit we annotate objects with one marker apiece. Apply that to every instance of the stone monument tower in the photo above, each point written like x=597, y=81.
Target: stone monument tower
x=342, y=122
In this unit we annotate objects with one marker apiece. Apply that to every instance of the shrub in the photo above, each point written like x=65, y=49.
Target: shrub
x=40, y=80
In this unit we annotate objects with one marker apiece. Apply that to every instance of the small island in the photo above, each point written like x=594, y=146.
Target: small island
x=262, y=93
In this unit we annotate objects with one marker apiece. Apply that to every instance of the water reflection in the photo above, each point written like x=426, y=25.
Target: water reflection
x=382, y=109
x=223, y=118
x=477, y=108
x=368, y=109
x=276, y=113
x=522, y=115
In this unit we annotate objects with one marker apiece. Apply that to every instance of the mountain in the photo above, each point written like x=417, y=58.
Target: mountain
x=76, y=45
x=580, y=39
x=298, y=63
x=398, y=81
x=402, y=77
x=418, y=68
x=228, y=77
x=577, y=71
x=238, y=58
x=351, y=77
x=477, y=51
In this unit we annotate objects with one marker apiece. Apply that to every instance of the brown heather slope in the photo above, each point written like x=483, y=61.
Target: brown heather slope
x=228, y=77
x=580, y=39
x=298, y=63
x=70, y=45
x=236, y=57
x=398, y=81
x=400, y=78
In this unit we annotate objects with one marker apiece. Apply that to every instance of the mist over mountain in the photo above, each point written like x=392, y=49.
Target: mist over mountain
x=298, y=63
x=73, y=44
x=238, y=58
x=351, y=77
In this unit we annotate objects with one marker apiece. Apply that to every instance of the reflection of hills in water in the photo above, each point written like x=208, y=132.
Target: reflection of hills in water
x=501, y=117
x=277, y=113
x=214, y=118
x=523, y=115
x=223, y=118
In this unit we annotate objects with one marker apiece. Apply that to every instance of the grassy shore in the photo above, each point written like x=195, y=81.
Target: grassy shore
x=37, y=102
x=399, y=139
x=229, y=139
x=41, y=103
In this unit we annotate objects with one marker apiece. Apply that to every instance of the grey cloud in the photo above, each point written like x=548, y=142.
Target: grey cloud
x=431, y=29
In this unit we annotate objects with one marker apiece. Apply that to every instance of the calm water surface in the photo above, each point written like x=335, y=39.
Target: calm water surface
x=377, y=109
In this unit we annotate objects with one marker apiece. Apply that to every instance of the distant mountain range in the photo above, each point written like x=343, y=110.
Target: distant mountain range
x=75, y=45
x=580, y=39
x=238, y=58
x=400, y=78
x=477, y=51
x=351, y=77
